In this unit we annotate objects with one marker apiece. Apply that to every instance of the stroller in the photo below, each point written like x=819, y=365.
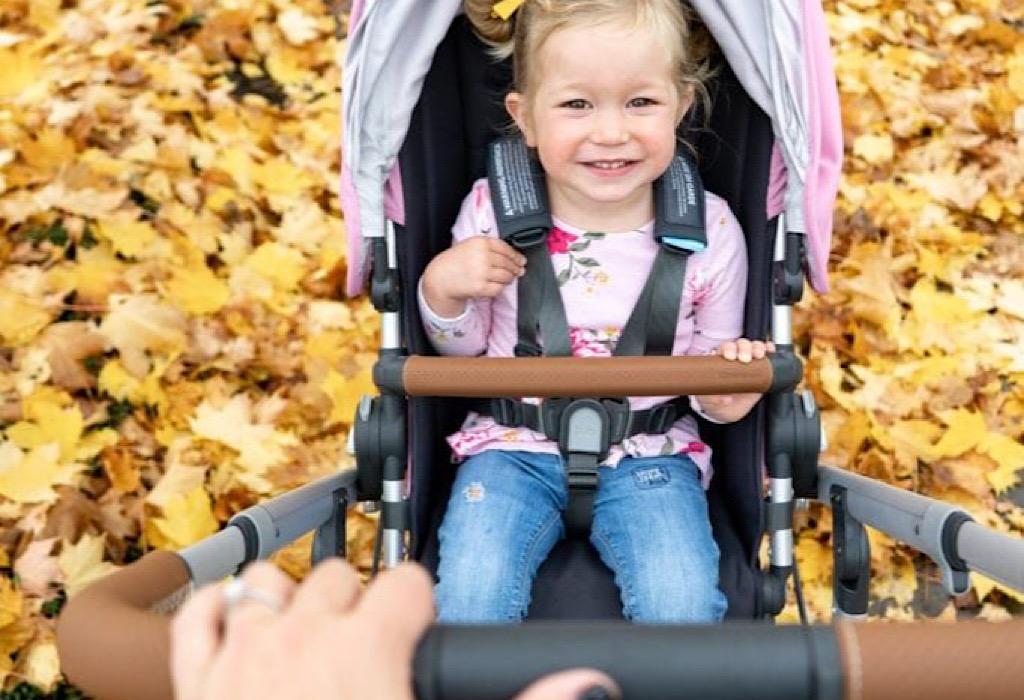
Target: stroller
x=419, y=117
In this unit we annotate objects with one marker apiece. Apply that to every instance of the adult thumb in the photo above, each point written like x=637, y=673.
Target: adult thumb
x=576, y=684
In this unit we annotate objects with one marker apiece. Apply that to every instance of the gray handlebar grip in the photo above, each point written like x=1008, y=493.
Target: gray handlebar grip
x=653, y=662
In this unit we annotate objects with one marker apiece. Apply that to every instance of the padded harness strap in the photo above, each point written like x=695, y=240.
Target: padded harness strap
x=519, y=199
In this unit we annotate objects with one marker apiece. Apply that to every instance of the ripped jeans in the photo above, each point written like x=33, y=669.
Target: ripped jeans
x=651, y=528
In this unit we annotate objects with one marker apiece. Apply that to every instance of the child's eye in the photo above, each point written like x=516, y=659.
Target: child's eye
x=575, y=104
x=642, y=102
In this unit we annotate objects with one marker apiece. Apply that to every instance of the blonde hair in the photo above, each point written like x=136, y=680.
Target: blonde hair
x=523, y=35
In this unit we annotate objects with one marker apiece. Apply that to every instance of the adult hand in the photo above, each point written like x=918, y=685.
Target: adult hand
x=329, y=640
x=476, y=267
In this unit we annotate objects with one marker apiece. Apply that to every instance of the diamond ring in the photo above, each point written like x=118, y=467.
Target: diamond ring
x=237, y=590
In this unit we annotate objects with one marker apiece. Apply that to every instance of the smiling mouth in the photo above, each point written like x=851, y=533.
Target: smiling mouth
x=609, y=164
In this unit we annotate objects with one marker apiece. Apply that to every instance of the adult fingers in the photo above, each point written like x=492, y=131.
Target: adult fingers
x=400, y=602
x=577, y=684
x=195, y=635
x=264, y=580
x=332, y=587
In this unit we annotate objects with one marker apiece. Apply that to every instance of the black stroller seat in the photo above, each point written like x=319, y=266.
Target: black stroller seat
x=459, y=113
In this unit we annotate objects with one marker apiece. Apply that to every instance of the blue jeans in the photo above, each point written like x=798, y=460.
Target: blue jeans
x=651, y=528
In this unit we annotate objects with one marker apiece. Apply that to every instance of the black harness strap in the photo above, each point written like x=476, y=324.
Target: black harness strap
x=520, y=203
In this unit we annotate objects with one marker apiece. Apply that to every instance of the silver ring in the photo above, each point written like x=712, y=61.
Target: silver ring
x=238, y=590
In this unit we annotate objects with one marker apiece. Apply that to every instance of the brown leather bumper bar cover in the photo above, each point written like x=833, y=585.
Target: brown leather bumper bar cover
x=112, y=647
x=570, y=376
x=110, y=644
x=897, y=661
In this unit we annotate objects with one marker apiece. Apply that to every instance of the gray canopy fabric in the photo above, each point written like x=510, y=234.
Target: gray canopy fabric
x=778, y=49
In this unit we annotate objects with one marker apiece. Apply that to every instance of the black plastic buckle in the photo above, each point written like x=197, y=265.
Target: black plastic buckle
x=591, y=439
x=507, y=412
x=527, y=350
x=661, y=418
x=528, y=238
x=620, y=419
x=550, y=415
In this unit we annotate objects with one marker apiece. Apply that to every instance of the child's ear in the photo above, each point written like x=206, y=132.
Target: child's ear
x=685, y=102
x=515, y=103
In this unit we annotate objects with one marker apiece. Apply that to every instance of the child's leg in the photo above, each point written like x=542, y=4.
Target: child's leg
x=651, y=527
x=503, y=518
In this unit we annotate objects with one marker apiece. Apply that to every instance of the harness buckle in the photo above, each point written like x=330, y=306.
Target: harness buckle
x=527, y=238
x=527, y=350
x=661, y=418
x=583, y=427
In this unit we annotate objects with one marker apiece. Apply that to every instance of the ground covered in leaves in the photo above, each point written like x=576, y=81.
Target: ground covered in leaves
x=175, y=346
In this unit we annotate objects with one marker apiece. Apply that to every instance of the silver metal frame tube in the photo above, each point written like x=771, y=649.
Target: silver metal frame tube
x=390, y=322
x=392, y=540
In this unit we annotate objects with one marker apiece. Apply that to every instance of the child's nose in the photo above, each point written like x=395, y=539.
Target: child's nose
x=610, y=127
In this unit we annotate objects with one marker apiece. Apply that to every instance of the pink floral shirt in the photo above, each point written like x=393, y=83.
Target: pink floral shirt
x=600, y=276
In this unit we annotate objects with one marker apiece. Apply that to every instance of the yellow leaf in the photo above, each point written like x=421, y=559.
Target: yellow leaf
x=966, y=429
x=116, y=382
x=21, y=318
x=1009, y=454
x=186, y=520
x=1015, y=73
x=28, y=478
x=874, y=149
x=983, y=585
x=259, y=445
x=41, y=665
x=283, y=266
x=48, y=422
x=82, y=563
x=197, y=290
x=345, y=393
x=129, y=237
x=19, y=68
x=179, y=480
x=141, y=324
x=279, y=176
x=49, y=150
x=96, y=274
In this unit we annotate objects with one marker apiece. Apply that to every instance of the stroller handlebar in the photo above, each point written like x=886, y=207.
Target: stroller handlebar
x=113, y=644
x=584, y=377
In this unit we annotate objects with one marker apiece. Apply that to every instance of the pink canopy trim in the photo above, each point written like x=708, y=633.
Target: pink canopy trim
x=394, y=209
x=776, y=201
x=826, y=143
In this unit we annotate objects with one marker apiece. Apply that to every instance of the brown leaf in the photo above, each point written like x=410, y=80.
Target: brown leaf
x=68, y=344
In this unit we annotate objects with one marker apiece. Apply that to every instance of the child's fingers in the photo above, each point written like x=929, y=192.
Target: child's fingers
x=727, y=350
x=504, y=249
x=744, y=350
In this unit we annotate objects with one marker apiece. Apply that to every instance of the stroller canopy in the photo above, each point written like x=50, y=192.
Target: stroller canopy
x=779, y=50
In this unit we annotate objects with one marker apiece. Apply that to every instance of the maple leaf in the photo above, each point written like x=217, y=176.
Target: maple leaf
x=37, y=568
x=259, y=445
x=186, y=519
x=82, y=562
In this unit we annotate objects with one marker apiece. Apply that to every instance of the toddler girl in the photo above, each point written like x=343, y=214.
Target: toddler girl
x=600, y=87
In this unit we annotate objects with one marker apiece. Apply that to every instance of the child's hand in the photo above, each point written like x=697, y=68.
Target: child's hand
x=476, y=267
x=728, y=408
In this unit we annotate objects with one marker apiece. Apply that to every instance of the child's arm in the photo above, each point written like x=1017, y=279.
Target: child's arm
x=456, y=289
x=459, y=284
x=728, y=408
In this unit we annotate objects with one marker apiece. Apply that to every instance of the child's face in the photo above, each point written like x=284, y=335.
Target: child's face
x=603, y=116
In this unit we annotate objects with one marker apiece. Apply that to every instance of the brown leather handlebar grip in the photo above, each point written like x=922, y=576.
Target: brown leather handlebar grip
x=111, y=644
x=893, y=661
x=572, y=376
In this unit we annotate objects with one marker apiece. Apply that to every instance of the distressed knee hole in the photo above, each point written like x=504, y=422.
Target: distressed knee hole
x=475, y=492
